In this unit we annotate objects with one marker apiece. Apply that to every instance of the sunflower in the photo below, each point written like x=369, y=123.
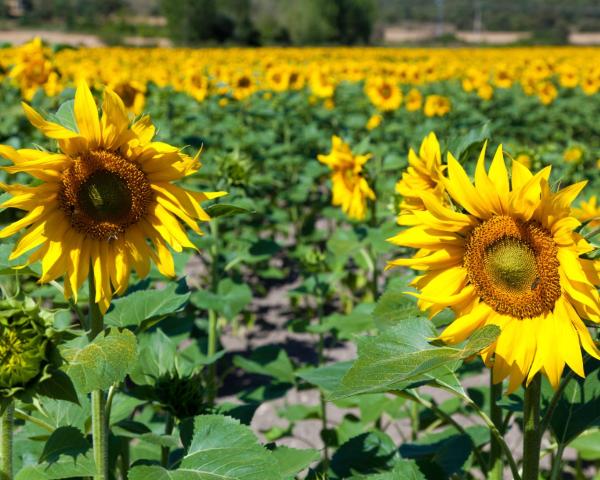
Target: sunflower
x=383, y=93
x=588, y=212
x=508, y=256
x=414, y=100
x=436, y=106
x=424, y=174
x=101, y=199
x=350, y=188
x=132, y=93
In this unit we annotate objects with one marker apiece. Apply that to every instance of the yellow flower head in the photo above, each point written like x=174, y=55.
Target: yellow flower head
x=243, y=85
x=436, y=106
x=105, y=202
x=350, y=188
x=507, y=255
x=414, y=100
x=374, y=121
x=34, y=69
x=132, y=93
x=424, y=174
x=573, y=154
x=383, y=93
x=524, y=159
x=588, y=211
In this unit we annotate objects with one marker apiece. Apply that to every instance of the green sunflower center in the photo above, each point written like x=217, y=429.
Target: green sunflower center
x=511, y=263
x=104, y=196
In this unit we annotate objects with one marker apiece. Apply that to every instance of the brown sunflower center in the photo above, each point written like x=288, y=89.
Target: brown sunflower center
x=104, y=193
x=513, y=266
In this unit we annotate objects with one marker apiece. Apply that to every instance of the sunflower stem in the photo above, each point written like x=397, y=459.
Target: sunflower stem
x=99, y=420
x=6, y=438
x=213, y=328
x=321, y=359
x=496, y=470
x=532, y=437
x=165, y=451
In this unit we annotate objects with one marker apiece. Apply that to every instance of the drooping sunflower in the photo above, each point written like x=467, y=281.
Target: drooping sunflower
x=350, y=187
x=105, y=202
x=508, y=256
x=424, y=174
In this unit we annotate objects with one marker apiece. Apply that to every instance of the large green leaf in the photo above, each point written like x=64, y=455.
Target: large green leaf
x=328, y=378
x=292, y=460
x=439, y=455
x=144, y=305
x=401, y=356
x=365, y=453
x=67, y=441
x=221, y=449
x=403, y=469
x=65, y=467
x=588, y=445
x=229, y=300
x=104, y=362
x=269, y=360
x=579, y=407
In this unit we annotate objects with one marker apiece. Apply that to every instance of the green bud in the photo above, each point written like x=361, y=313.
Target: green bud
x=182, y=395
x=24, y=341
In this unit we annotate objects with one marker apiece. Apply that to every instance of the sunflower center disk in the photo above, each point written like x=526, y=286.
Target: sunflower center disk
x=511, y=263
x=513, y=266
x=104, y=194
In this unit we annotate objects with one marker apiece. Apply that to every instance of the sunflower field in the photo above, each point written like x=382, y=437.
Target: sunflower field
x=316, y=263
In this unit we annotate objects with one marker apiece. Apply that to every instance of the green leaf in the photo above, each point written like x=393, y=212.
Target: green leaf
x=365, y=453
x=9, y=267
x=64, y=467
x=269, y=360
x=231, y=298
x=403, y=469
x=67, y=441
x=402, y=355
x=59, y=386
x=394, y=305
x=225, y=210
x=328, y=378
x=221, y=449
x=144, y=305
x=438, y=455
x=588, y=445
x=104, y=362
x=467, y=147
x=65, y=116
x=579, y=406
x=292, y=460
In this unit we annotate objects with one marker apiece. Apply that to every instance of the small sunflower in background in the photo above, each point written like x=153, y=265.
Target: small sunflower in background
x=573, y=154
x=383, y=93
x=436, y=106
x=373, y=122
x=414, y=100
x=588, y=211
x=507, y=255
x=101, y=199
x=132, y=93
x=423, y=174
x=350, y=188
x=243, y=85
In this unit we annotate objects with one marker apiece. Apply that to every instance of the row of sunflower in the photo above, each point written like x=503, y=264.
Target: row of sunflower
x=240, y=72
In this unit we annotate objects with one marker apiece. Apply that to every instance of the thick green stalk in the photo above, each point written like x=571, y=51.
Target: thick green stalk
x=321, y=360
x=99, y=420
x=6, y=440
x=531, y=423
x=165, y=451
x=496, y=467
x=213, y=329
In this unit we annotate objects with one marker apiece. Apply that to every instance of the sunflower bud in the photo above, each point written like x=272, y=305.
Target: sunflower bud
x=183, y=395
x=24, y=341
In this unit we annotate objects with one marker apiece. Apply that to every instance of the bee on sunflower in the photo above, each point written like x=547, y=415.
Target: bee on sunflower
x=508, y=254
x=101, y=199
x=350, y=188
